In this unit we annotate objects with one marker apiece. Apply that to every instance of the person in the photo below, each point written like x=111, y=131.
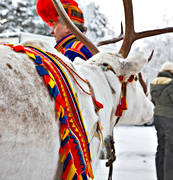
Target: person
x=162, y=96
x=67, y=43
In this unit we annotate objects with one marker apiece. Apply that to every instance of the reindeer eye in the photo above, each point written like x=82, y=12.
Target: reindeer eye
x=104, y=67
x=105, y=64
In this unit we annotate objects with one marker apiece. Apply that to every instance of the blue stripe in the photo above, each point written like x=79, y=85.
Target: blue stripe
x=38, y=60
x=41, y=70
x=66, y=161
x=84, y=176
x=64, y=142
x=74, y=177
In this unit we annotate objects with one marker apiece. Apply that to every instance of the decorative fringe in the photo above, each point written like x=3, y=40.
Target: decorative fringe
x=119, y=111
x=75, y=158
x=131, y=78
x=123, y=103
x=122, y=106
x=97, y=105
x=121, y=79
x=19, y=48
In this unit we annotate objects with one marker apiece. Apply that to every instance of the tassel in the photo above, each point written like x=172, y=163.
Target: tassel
x=119, y=111
x=131, y=78
x=90, y=171
x=19, y=48
x=121, y=78
x=123, y=103
x=97, y=104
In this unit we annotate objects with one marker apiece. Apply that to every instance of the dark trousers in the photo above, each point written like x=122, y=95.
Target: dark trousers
x=164, y=154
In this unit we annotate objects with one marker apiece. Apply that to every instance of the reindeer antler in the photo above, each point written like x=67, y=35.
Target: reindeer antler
x=73, y=28
x=130, y=34
x=114, y=40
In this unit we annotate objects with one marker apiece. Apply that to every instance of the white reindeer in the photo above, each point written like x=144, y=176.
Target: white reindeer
x=29, y=128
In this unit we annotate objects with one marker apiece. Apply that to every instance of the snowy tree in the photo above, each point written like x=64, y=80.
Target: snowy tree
x=20, y=17
x=96, y=22
x=163, y=51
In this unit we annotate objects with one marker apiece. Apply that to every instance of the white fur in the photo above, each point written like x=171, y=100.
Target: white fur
x=29, y=128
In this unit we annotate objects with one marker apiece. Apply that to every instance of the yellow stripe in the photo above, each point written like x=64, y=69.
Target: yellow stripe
x=62, y=111
x=71, y=172
x=75, y=44
x=65, y=134
x=31, y=55
x=51, y=83
x=79, y=52
x=62, y=156
x=80, y=177
x=51, y=76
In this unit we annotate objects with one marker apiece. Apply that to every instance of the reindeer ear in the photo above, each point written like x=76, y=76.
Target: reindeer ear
x=135, y=63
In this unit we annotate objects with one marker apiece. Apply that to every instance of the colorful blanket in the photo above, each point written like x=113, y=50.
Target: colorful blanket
x=74, y=150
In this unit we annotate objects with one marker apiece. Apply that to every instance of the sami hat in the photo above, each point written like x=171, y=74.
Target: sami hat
x=48, y=13
x=167, y=66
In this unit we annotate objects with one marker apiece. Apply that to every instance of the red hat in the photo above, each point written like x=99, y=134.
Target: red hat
x=48, y=13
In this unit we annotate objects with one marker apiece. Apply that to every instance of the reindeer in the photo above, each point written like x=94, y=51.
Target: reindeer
x=29, y=127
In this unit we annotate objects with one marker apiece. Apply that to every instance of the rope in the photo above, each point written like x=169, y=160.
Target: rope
x=71, y=71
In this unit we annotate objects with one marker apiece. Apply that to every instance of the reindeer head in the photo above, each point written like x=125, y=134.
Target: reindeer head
x=119, y=62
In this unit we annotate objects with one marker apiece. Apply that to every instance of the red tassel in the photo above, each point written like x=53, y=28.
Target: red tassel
x=131, y=78
x=119, y=111
x=97, y=104
x=123, y=103
x=19, y=48
x=121, y=78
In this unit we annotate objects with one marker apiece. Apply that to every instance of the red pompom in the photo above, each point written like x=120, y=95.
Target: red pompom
x=97, y=104
x=121, y=78
x=19, y=48
x=48, y=13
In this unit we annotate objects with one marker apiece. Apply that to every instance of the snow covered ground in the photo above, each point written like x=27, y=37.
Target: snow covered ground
x=135, y=151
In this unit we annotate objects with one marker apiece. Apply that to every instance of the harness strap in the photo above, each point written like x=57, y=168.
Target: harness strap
x=71, y=71
x=112, y=156
x=122, y=106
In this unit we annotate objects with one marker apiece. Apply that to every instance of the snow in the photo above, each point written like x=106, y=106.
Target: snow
x=135, y=150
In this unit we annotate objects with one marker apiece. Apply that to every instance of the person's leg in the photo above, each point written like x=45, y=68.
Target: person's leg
x=159, y=159
x=168, y=168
